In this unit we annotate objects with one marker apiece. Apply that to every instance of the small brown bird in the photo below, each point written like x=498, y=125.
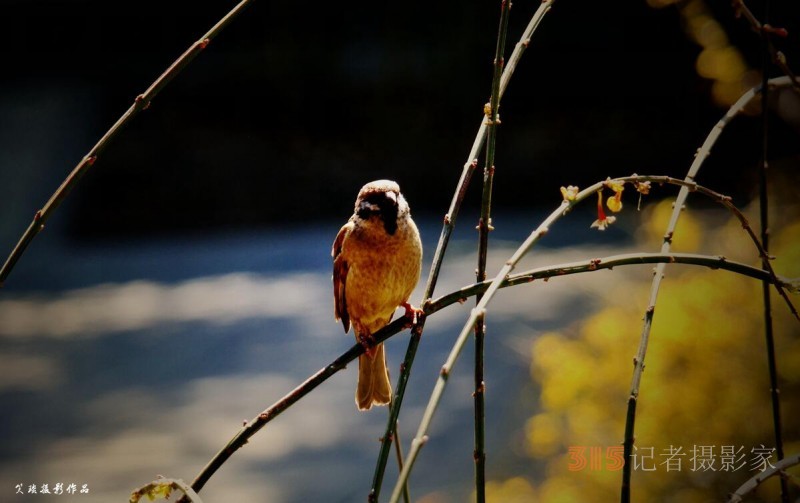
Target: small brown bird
x=377, y=257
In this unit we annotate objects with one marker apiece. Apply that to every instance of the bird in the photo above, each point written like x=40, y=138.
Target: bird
x=377, y=258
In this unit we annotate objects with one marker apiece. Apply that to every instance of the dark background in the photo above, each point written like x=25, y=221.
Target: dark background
x=296, y=105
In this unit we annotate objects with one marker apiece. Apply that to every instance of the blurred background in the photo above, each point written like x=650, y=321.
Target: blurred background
x=184, y=285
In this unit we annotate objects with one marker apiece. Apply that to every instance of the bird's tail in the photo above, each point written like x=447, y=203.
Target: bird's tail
x=373, y=387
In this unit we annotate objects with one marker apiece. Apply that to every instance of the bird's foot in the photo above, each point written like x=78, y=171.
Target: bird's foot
x=369, y=344
x=412, y=314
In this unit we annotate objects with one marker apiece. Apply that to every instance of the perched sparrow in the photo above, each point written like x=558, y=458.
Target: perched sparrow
x=377, y=257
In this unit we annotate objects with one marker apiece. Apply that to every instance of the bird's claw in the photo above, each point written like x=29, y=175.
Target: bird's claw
x=412, y=314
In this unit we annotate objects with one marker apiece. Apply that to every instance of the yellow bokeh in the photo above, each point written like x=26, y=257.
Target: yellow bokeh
x=514, y=490
x=721, y=63
x=705, y=381
x=687, y=235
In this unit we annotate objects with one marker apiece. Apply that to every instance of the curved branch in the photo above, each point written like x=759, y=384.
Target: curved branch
x=458, y=296
x=756, y=480
x=140, y=103
x=702, y=153
x=441, y=247
x=480, y=309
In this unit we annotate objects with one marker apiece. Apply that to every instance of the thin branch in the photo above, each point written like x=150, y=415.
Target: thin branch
x=456, y=297
x=766, y=32
x=702, y=154
x=480, y=309
x=484, y=226
x=768, y=49
x=756, y=480
x=141, y=102
x=441, y=247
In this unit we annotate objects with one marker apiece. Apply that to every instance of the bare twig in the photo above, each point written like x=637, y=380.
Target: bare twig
x=766, y=32
x=458, y=296
x=480, y=310
x=140, y=103
x=756, y=480
x=441, y=247
x=484, y=226
x=768, y=49
x=702, y=153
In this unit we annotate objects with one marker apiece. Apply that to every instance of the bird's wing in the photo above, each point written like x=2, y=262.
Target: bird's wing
x=340, y=277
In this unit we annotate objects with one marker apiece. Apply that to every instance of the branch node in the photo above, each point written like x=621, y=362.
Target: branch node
x=480, y=389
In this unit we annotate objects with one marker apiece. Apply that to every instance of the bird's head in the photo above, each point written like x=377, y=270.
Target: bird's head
x=381, y=200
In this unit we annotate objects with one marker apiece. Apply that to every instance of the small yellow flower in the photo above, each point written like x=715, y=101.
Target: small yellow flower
x=614, y=202
x=569, y=193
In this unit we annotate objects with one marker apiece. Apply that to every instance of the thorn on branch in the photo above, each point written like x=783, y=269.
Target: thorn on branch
x=772, y=30
x=737, y=8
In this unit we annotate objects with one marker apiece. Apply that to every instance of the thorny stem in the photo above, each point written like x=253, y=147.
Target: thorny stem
x=756, y=480
x=766, y=31
x=140, y=103
x=484, y=226
x=769, y=339
x=441, y=247
x=433, y=306
x=421, y=436
x=702, y=153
